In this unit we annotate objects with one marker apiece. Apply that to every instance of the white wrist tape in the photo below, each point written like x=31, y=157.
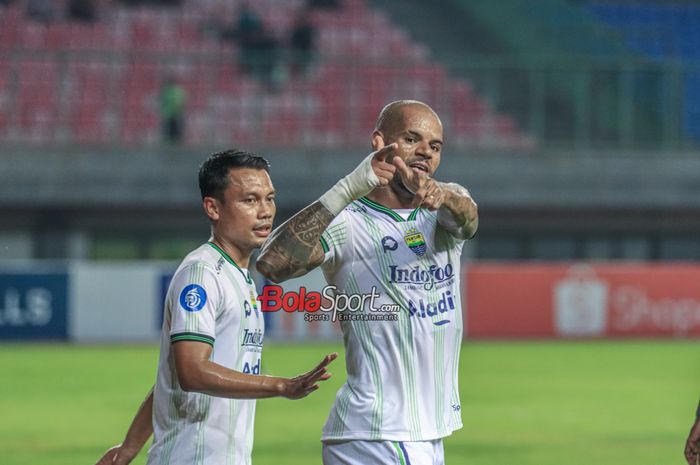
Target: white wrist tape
x=353, y=186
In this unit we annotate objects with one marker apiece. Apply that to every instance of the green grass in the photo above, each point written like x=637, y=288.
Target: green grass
x=523, y=403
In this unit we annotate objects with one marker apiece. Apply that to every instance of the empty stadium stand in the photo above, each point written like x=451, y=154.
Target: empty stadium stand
x=67, y=82
x=662, y=31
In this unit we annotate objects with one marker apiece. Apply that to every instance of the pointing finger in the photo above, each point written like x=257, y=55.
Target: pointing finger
x=382, y=165
x=380, y=155
x=400, y=165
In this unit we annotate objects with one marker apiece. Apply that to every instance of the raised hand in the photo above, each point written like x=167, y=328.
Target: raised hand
x=383, y=169
x=427, y=192
x=691, y=452
x=303, y=385
x=109, y=456
x=117, y=455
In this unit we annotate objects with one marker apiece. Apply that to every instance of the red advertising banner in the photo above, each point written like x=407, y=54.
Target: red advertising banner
x=582, y=300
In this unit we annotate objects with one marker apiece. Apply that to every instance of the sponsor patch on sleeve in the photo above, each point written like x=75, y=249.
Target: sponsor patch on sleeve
x=193, y=298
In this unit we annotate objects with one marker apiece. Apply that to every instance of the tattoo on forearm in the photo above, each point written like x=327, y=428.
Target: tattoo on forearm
x=309, y=224
x=293, y=248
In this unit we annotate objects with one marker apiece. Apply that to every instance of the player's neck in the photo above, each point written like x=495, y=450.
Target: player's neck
x=240, y=257
x=388, y=197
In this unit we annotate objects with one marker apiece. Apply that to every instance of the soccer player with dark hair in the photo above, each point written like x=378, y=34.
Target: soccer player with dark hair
x=389, y=225
x=202, y=406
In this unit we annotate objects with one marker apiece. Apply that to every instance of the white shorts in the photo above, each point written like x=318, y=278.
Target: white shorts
x=383, y=453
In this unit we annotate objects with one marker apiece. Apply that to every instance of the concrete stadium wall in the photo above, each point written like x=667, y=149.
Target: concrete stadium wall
x=65, y=203
x=166, y=177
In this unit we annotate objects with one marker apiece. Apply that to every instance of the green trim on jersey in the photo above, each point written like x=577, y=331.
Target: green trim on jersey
x=405, y=333
x=388, y=211
x=172, y=435
x=203, y=405
x=424, y=355
x=364, y=334
x=324, y=244
x=247, y=277
x=335, y=235
x=192, y=319
x=192, y=337
x=399, y=453
x=233, y=408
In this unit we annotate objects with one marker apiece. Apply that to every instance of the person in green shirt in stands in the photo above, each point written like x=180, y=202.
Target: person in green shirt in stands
x=172, y=110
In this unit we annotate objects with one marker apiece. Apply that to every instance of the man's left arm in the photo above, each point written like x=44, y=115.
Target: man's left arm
x=458, y=213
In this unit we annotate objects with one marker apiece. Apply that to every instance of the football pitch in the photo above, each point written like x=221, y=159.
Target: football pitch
x=530, y=403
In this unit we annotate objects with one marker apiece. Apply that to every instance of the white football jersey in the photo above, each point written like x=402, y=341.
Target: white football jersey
x=210, y=300
x=402, y=375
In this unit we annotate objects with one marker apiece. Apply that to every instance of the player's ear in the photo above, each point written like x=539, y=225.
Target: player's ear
x=377, y=141
x=211, y=208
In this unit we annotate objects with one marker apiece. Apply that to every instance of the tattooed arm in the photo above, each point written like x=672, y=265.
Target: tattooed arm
x=458, y=213
x=293, y=249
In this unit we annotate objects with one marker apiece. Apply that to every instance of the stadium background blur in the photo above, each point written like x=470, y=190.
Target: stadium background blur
x=575, y=125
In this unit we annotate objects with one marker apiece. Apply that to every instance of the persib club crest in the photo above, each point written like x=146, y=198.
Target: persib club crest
x=415, y=241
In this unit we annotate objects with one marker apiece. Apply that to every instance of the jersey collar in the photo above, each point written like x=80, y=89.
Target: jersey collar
x=246, y=275
x=388, y=211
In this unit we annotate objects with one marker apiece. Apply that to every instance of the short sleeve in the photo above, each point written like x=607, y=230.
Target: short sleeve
x=334, y=239
x=195, y=297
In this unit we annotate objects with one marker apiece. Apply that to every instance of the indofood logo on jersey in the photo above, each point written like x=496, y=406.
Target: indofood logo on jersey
x=415, y=241
x=427, y=278
x=252, y=338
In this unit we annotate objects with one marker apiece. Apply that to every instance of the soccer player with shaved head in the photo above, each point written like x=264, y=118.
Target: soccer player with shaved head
x=389, y=225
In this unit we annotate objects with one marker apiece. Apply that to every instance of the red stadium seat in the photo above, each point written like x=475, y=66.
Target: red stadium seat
x=111, y=91
x=10, y=23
